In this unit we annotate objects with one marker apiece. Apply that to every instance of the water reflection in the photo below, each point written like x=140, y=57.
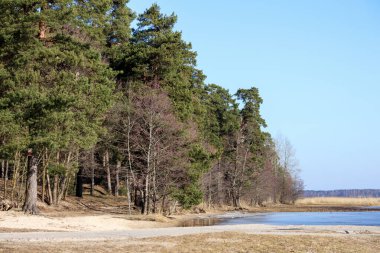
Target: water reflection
x=201, y=222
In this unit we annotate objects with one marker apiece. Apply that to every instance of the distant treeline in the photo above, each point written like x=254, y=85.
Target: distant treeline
x=355, y=193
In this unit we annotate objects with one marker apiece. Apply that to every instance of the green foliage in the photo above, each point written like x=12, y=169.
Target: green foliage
x=189, y=196
x=252, y=122
x=251, y=110
x=158, y=57
x=123, y=191
x=222, y=117
x=56, y=169
x=58, y=86
x=200, y=162
x=12, y=136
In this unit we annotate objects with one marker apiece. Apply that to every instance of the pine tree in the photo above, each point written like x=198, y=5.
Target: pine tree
x=159, y=58
x=58, y=85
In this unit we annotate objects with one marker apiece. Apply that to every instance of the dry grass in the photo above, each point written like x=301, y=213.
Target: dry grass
x=339, y=201
x=215, y=242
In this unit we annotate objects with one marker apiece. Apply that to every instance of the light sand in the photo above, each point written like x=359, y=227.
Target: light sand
x=20, y=221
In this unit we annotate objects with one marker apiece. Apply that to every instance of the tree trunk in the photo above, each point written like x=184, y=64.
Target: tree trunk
x=30, y=204
x=117, y=183
x=2, y=168
x=62, y=188
x=148, y=160
x=68, y=182
x=128, y=193
x=209, y=190
x=163, y=205
x=79, y=184
x=44, y=162
x=6, y=170
x=22, y=182
x=55, y=190
x=48, y=186
x=154, y=185
x=15, y=174
x=92, y=173
x=146, y=195
x=134, y=183
x=219, y=184
x=6, y=178
x=64, y=180
x=106, y=166
x=235, y=174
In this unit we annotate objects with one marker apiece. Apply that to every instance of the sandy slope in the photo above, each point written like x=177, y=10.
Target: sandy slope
x=19, y=221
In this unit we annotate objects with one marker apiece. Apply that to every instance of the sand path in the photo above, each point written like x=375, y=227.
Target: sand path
x=177, y=231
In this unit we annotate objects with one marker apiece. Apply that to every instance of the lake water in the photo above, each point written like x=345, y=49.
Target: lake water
x=293, y=218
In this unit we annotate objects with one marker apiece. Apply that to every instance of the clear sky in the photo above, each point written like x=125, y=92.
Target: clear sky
x=317, y=66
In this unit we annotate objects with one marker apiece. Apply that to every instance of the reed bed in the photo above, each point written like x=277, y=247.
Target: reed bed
x=339, y=201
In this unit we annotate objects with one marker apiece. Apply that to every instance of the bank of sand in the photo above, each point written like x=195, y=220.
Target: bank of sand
x=16, y=221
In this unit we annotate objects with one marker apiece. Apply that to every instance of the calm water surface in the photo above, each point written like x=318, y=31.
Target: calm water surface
x=309, y=218
x=294, y=218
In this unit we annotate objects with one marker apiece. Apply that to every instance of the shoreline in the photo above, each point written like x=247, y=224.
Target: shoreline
x=15, y=221
x=99, y=232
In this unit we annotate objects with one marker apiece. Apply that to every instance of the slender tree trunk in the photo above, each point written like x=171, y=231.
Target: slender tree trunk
x=235, y=174
x=15, y=174
x=154, y=185
x=163, y=204
x=2, y=168
x=146, y=190
x=209, y=199
x=55, y=190
x=48, y=186
x=64, y=180
x=6, y=178
x=30, y=204
x=68, y=182
x=56, y=181
x=149, y=199
x=92, y=172
x=146, y=195
x=117, y=183
x=6, y=170
x=79, y=183
x=62, y=188
x=275, y=185
x=106, y=166
x=22, y=182
x=135, y=197
x=130, y=165
x=219, y=184
x=128, y=193
x=44, y=167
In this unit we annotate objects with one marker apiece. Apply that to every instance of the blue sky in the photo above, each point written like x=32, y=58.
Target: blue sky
x=317, y=66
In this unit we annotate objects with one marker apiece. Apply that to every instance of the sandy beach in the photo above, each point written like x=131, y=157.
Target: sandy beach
x=14, y=225
x=80, y=232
